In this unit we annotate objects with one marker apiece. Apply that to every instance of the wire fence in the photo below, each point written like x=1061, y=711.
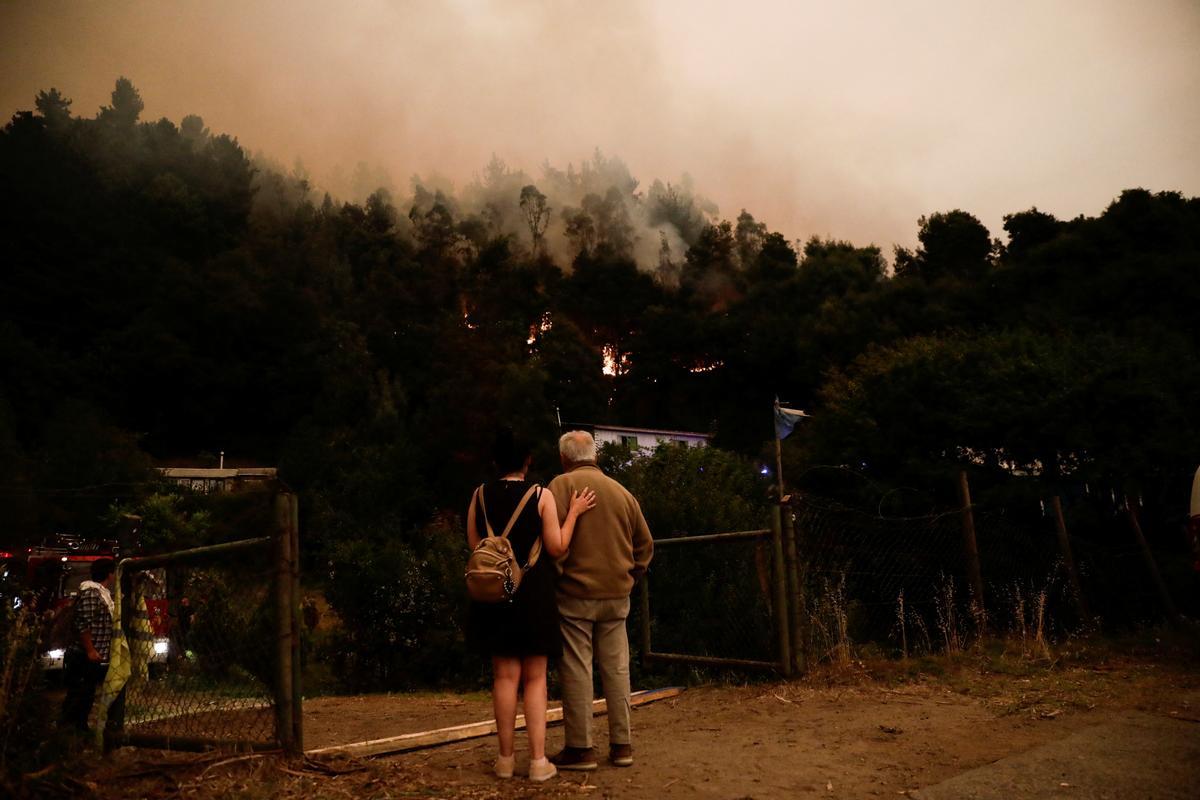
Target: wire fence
x=857, y=568
x=214, y=680
x=710, y=601
x=905, y=584
x=829, y=580
x=213, y=635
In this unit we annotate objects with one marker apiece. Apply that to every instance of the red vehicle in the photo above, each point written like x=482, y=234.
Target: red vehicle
x=1193, y=526
x=54, y=572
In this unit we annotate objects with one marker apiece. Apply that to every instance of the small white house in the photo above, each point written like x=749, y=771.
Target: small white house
x=645, y=438
x=218, y=479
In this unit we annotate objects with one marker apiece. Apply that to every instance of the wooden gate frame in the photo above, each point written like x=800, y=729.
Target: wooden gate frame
x=779, y=579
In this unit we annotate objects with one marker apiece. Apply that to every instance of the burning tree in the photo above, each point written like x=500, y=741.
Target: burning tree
x=537, y=214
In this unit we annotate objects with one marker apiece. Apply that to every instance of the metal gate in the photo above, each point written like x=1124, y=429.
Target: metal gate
x=227, y=673
x=719, y=600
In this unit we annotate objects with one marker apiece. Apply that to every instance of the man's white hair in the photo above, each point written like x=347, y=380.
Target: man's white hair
x=577, y=446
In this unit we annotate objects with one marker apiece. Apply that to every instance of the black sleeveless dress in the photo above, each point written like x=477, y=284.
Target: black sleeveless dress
x=527, y=626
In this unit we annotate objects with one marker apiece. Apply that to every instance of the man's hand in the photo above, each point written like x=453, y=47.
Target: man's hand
x=85, y=639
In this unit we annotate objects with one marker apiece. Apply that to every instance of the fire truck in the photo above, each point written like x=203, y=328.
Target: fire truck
x=1193, y=524
x=55, y=569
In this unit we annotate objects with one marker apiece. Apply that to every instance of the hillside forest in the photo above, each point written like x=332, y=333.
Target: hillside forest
x=165, y=296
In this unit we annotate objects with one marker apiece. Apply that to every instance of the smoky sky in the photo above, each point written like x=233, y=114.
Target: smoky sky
x=847, y=119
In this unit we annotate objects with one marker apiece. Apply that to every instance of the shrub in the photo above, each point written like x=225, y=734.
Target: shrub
x=401, y=601
x=690, y=490
x=707, y=598
x=25, y=718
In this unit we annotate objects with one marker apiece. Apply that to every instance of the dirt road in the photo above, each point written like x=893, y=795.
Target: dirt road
x=1129, y=729
x=856, y=740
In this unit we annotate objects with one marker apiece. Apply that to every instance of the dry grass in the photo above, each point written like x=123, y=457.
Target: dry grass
x=1030, y=622
x=213, y=776
x=830, y=623
x=948, y=621
x=1041, y=680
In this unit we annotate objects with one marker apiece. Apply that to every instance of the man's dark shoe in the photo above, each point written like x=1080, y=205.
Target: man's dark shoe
x=580, y=759
x=620, y=755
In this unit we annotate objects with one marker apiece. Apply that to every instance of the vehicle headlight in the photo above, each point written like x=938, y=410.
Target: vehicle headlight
x=55, y=655
x=161, y=646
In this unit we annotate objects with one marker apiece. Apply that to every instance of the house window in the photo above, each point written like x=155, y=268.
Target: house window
x=629, y=441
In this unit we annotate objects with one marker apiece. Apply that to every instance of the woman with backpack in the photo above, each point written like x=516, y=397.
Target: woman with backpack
x=514, y=617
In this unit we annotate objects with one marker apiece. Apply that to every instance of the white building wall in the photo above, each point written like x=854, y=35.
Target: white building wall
x=648, y=440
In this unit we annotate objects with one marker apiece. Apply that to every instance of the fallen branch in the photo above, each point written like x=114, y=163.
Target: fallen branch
x=233, y=760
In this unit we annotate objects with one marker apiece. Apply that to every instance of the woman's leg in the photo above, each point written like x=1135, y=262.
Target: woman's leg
x=506, y=675
x=533, y=675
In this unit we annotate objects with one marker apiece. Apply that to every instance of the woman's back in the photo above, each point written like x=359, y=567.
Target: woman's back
x=528, y=625
x=501, y=498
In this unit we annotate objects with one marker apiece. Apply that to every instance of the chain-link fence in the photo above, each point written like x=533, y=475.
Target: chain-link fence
x=710, y=601
x=829, y=580
x=213, y=641
x=926, y=583
x=860, y=574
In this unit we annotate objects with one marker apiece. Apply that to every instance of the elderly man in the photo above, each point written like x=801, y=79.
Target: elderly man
x=611, y=549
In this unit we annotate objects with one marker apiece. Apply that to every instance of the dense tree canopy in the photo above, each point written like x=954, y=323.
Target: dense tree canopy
x=163, y=295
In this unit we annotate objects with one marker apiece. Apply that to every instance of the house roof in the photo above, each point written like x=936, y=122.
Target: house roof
x=628, y=429
x=212, y=473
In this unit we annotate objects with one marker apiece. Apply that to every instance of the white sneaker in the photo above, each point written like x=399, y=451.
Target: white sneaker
x=542, y=770
x=504, y=766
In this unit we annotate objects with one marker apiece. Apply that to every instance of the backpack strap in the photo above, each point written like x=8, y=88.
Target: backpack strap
x=483, y=507
x=520, y=507
x=536, y=549
x=515, y=515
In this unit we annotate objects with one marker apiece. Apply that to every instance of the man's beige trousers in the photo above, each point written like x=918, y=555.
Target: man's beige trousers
x=598, y=625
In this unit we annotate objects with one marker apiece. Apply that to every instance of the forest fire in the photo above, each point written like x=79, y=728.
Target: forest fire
x=543, y=326
x=615, y=363
x=706, y=366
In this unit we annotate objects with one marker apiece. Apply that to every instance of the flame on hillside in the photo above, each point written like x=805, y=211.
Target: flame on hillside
x=614, y=363
x=542, y=326
x=706, y=366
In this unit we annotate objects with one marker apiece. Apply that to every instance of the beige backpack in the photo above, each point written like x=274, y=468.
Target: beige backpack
x=493, y=573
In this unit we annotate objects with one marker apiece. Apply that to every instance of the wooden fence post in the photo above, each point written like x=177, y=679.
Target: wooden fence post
x=644, y=597
x=1164, y=595
x=970, y=545
x=1064, y=544
x=297, y=694
x=284, y=718
x=779, y=576
x=795, y=589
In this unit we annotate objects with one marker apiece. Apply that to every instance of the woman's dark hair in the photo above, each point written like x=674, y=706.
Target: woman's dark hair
x=509, y=451
x=102, y=568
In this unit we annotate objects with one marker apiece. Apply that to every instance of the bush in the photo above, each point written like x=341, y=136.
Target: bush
x=708, y=598
x=401, y=601
x=692, y=490
x=232, y=632
x=26, y=720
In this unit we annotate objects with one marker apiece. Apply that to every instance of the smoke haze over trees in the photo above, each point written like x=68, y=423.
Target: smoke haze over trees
x=843, y=120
